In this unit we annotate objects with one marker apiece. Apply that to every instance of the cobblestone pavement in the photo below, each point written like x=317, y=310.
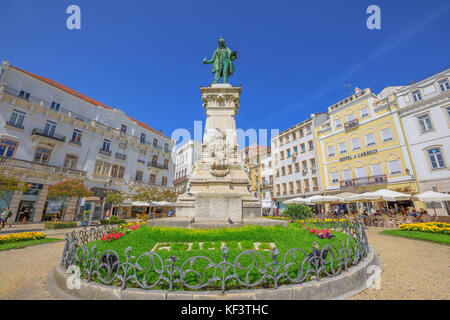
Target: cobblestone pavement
x=412, y=269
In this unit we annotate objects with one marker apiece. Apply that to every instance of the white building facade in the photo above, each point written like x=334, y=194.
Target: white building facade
x=50, y=133
x=266, y=184
x=185, y=157
x=424, y=109
x=295, y=163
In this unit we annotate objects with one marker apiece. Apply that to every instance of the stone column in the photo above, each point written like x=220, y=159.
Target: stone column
x=71, y=208
x=14, y=205
x=41, y=204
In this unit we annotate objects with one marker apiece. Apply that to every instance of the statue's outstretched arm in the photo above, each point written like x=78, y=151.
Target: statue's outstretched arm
x=233, y=55
x=205, y=61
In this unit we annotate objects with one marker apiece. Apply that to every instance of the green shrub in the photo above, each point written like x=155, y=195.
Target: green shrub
x=60, y=224
x=264, y=246
x=297, y=211
x=113, y=221
x=207, y=245
x=247, y=245
x=195, y=246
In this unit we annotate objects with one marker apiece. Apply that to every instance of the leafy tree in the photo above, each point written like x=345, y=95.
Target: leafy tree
x=169, y=196
x=10, y=184
x=148, y=195
x=68, y=189
x=116, y=198
x=297, y=211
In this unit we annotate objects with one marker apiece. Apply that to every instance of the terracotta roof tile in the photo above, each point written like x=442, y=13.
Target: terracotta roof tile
x=85, y=98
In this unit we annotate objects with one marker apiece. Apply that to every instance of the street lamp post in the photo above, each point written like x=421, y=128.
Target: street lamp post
x=108, y=182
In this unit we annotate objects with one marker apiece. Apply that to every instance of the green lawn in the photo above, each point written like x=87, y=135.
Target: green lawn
x=144, y=239
x=435, y=237
x=21, y=244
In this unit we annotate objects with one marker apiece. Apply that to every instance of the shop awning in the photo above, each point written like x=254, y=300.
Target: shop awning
x=92, y=199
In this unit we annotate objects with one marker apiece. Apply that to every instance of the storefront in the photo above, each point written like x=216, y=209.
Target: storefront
x=28, y=202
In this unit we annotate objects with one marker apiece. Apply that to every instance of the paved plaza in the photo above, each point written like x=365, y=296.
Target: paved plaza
x=412, y=269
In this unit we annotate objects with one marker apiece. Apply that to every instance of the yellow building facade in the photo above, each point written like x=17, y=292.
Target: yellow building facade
x=361, y=145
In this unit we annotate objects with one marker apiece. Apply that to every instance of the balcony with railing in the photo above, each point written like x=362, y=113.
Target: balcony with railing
x=266, y=185
x=365, y=181
x=105, y=152
x=352, y=124
x=121, y=156
x=11, y=163
x=157, y=165
x=77, y=142
x=14, y=125
x=43, y=133
x=180, y=180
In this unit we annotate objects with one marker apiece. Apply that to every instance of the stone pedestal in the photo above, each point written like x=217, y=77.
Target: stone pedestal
x=218, y=186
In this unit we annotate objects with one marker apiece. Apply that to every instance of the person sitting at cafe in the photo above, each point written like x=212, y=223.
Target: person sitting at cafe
x=413, y=213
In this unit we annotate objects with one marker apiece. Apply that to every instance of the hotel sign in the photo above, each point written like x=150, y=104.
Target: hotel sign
x=358, y=155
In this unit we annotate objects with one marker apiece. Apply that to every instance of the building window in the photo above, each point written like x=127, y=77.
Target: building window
x=338, y=123
x=288, y=153
x=299, y=186
x=290, y=169
x=302, y=146
x=350, y=117
x=25, y=95
x=281, y=155
x=295, y=151
x=301, y=132
x=17, y=118
x=436, y=158
x=395, y=166
x=377, y=170
x=70, y=161
x=155, y=142
x=297, y=167
x=294, y=136
x=152, y=179
x=123, y=128
x=448, y=113
x=334, y=177
x=283, y=171
x=291, y=187
x=166, y=147
x=106, y=145
x=425, y=122
x=361, y=172
x=342, y=147
x=50, y=127
x=444, y=85
x=164, y=181
x=364, y=112
x=142, y=138
x=386, y=134
x=308, y=129
x=306, y=183
x=370, y=139
x=356, y=143
x=8, y=148
x=315, y=184
x=347, y=174
x=76, y=136
x=42, y=155
x=417, y=96
x=139, y=175
x=284, y=188
x=55, y=106
x=330, y=150
x=121, y=172
x=304, y=165
x=310, y=145
x=166, y=164
x=313, y=163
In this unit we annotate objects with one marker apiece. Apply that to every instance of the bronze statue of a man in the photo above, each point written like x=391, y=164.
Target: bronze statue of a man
x=222, y=60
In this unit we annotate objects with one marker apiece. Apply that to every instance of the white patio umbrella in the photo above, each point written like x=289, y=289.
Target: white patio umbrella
x=162, y=204
x=431, y=196
x=296, y=200
x=140, y=204
x=326, y=199
x=389, y=195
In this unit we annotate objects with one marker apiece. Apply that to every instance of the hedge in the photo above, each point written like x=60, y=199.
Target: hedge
x=60, y=224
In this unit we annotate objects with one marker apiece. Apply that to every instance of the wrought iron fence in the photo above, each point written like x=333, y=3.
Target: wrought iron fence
x=249, y=269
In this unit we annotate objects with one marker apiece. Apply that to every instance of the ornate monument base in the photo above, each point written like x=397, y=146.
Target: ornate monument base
x=218, y=187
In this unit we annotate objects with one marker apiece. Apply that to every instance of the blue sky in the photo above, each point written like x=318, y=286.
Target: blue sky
x=145, y=57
